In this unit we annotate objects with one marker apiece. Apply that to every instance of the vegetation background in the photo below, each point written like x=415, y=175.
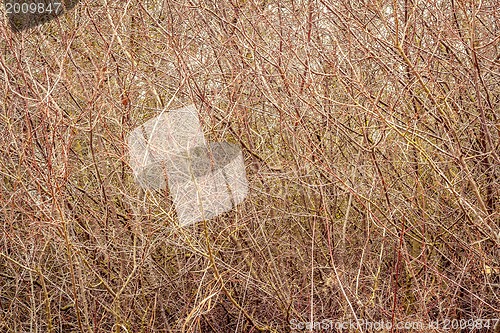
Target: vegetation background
x=371, y=137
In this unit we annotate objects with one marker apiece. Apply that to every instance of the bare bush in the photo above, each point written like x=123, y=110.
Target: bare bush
x=370, y=132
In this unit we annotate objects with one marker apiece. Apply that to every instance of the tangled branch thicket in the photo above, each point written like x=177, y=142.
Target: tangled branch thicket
x=371, y=139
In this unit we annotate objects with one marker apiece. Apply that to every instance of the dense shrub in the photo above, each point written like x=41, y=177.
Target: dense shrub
x=371, y=139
